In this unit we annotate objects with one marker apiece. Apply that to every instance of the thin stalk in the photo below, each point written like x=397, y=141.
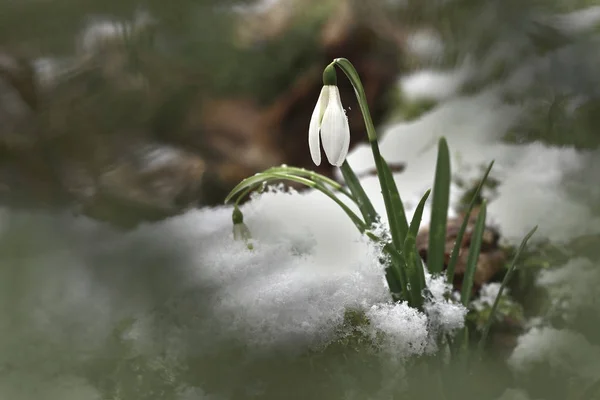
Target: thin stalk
x=511, y=270
x=413, y=231
x=473, y=257
x=439, y=210
x=396, y=201
x=359, y=90
x=395, y=274
x=412, y=272
x=463, y=228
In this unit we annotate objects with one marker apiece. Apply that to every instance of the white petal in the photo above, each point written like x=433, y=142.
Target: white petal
x=314, y=143
x=335, y=131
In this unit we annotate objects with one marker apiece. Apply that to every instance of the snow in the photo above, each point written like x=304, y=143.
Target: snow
x=579, y=21
x=404, y=329
x=435, y=85
x=444, y=316
x=573, y=286
x=487, y=295
x=426, y=45
x=256, y=7
x=102, y=30
x=560, y=349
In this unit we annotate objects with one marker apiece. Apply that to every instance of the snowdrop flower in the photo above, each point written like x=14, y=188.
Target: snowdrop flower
x=329, y=123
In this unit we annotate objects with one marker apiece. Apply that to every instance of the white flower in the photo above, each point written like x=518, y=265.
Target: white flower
x=329, y=123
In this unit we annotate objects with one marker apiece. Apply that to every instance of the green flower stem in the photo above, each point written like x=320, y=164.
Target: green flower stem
x=359, y=90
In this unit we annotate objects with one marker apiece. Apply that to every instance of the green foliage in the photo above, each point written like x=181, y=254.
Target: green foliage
x=473, y=257
x=475, y=199
x=439, y=210
x=362, y=200
x=507, y=277
x=405, y=271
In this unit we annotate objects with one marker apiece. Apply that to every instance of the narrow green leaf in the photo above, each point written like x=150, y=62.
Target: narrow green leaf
x=312, y=175
x=415, y=224
x=463, y=228
x=398, y=222
x=362, y=200
x=413, y=274
x=473, y=257
x=509, y=273
x=439, y=210
x=395, y=274
x=256, y=179
x=264, y=177
x=247, y=183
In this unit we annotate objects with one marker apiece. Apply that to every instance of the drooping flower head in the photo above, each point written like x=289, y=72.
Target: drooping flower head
x=329, y=123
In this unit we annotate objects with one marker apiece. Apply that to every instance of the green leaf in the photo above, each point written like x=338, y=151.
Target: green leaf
x=395, y=274
x=463, y=228
x=509, y=273
x=473, y=257
x=246, y=184
x=439, y=210
x=398, y=222
x=414, y=269
x=312, y=175
x=418, y=215
x=414, y=230
x=360, y=197
x=264, y=177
